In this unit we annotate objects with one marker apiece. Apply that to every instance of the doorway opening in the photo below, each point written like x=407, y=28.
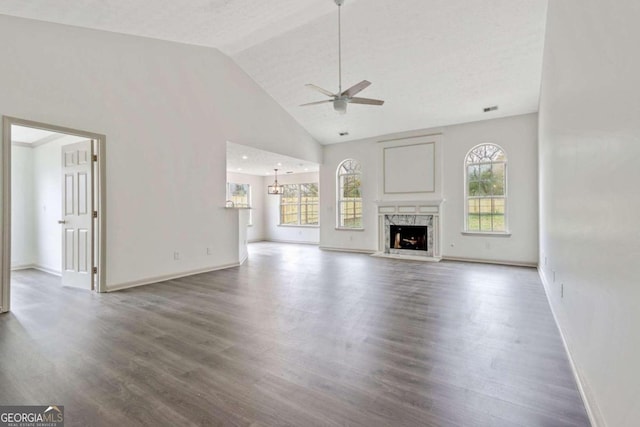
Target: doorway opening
x=53, y=205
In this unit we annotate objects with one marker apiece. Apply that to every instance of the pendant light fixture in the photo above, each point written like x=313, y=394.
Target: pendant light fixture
x=275, y=189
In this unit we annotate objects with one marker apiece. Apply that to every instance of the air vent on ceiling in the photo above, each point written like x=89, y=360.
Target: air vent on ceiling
x=492, y=108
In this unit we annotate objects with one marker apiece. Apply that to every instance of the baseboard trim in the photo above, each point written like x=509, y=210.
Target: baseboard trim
x=491, y=261
x=592, y=408
x=37, y=267
x=244, y=258
x=22, y=267
x=350, y=250
x=164, y=278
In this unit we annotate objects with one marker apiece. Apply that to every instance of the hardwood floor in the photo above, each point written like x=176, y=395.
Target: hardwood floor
x=295, y=337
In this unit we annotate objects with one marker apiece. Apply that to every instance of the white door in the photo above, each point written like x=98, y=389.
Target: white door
x=77, y=215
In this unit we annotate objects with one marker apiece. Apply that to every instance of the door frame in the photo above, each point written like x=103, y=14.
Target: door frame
x=99, y=200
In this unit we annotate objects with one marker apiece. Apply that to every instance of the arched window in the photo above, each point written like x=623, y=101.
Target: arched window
x=486, y=189
x=349, y=200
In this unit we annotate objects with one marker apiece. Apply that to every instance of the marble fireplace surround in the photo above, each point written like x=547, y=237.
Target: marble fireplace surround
x=425, y=213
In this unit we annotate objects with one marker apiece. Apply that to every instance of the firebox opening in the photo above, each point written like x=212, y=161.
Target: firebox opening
x=411, y=237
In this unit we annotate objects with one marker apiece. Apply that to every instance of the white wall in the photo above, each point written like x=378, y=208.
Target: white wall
x=153, y=100
x=288, y=233
x=517, y=135
x=256, y=231
x=23, y=251
x=366, y=152
x=589, y=202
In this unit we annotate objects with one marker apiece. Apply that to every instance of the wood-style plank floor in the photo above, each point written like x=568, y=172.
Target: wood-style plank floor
x=295, y=337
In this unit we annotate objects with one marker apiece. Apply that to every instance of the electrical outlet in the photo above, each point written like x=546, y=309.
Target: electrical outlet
x=176, y=256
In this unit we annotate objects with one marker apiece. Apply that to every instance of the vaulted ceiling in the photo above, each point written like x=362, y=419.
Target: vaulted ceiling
x=434, y=62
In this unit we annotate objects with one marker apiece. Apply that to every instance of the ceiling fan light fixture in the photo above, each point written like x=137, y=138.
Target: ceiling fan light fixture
x=340, y=105
x=342, y=98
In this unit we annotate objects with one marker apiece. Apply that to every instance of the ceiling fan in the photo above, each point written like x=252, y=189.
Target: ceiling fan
x=342, y=98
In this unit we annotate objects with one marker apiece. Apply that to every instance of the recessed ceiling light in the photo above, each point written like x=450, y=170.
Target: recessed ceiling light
x=244, y=157
x=239, y=169
x=306, y=169
x=279, y=164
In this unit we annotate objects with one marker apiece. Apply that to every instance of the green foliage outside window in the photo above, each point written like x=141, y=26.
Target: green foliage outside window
x=486, y=189
x=349, y=196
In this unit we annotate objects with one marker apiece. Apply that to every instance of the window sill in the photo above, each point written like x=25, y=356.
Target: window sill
x=348, y=229
x=486, y=233
x=298, y=226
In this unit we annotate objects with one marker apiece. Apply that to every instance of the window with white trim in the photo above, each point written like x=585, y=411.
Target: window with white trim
x=349, y=200
x=299, y=204
x=240, y=195
x=486, y=189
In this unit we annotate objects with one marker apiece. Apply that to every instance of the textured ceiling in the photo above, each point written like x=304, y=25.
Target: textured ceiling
x=434, y=62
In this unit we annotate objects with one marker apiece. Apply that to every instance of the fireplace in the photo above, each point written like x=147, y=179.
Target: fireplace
x=409, y=230
x=409, y=237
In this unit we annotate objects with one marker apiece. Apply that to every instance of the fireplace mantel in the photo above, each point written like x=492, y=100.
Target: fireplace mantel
x=415, y=211
x=425, y=202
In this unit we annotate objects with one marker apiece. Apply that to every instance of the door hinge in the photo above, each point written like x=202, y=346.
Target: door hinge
x=95, y=270
x=94, y=157
x=95, y=214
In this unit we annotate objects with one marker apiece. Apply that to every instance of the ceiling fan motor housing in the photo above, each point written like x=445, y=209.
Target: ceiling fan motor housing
x=339, y=2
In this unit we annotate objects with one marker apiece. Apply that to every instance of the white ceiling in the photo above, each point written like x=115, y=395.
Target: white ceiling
x=434, y=62
x=28, y=136
x=25, y=135
x=252, y=161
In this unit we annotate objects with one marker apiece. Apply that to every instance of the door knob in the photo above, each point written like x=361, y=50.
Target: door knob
x=62, y=221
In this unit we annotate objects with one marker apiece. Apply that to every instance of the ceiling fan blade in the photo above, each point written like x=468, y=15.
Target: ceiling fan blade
x=316, y=103
x=368, y=101
x=319, y=89
x=357, y=88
